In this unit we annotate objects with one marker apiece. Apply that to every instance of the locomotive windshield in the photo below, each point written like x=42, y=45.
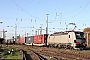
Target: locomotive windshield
x=79, y=35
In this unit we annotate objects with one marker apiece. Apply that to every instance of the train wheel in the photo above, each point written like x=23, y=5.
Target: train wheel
x=71, y=48
x=59, y=46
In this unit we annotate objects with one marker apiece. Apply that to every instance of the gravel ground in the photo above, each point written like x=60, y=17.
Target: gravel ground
x=53, y=53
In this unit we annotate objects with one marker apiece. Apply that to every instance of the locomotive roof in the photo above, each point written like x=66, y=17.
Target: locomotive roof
x=63, y=33
x=72, y=31
x=60, y=33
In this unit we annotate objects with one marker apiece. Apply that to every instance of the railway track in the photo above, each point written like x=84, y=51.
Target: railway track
x=44, y=53
x=40, y=56
x=59, y=55
x=29, y=54
x=62, y=54
x=32, y=56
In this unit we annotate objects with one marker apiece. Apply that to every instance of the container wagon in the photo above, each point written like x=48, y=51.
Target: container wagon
x=17, y=41
x=71, y=39
x=40, y=40
x=29, y=40
x=22, y=40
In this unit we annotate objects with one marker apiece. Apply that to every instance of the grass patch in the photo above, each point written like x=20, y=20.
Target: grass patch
x=16, y=54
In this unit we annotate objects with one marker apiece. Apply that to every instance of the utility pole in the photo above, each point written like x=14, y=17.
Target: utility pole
x=4, y=36
x=27, y=34
x=66, y=28
x=36, y=32
x=46, y=29
x=47, y=24
x=15, y=31
x=41, y=29
x=87, y=37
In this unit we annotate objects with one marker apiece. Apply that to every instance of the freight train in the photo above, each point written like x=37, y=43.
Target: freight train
x=68, y=39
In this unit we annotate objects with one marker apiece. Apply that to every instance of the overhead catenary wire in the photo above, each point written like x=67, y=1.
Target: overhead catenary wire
x=82, y=7
x=79, y=7
x=26, y=11
x=60, y=14
x=80, y=12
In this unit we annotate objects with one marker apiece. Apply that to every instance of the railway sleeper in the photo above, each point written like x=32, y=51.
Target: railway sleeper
x=40, y=56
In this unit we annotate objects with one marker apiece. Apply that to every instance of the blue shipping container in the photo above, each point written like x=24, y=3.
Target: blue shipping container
x=29, y=39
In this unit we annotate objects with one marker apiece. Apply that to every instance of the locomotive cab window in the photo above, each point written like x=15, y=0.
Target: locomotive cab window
x=79, y=35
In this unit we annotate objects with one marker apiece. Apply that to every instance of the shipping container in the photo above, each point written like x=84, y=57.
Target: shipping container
x=36, y=37
x=17, y=40
x=22, y=40
x=29, y=40
x=40, y=39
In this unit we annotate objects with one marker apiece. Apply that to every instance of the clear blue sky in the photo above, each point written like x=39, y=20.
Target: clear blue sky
x=31, y=13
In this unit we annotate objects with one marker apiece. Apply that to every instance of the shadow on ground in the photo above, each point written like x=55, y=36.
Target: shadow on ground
x=26, y=56
x=87, y=48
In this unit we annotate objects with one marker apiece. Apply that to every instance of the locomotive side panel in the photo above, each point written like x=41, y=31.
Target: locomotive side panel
x=58, y=39
x=62, y=40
